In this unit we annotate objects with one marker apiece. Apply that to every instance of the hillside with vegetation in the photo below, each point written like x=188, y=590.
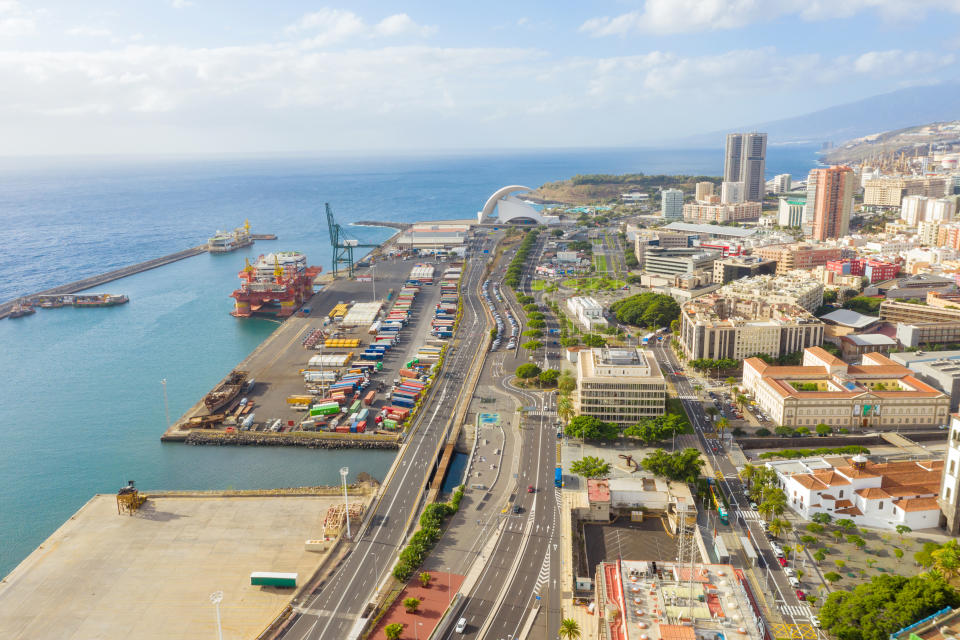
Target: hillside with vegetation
x=601, y=188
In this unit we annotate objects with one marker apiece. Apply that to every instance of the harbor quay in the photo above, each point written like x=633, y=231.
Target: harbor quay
x=148, y=572
x=319, y=345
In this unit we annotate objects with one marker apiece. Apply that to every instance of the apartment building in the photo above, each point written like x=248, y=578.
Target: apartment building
x=889, y=192
x=833, y=202
x=789, y=289
x=701, y=212
x=718, y=326
x=781, y=183
x=621, y=386
x=737, y=267
x=878, y=393
x=798, y=256
x=731, y=192
x=917, y=209
x=672, y=204
x=703, y=190
x=874, y=270
x=790, y=212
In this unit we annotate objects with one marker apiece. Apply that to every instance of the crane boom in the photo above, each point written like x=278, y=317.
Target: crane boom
x=341, y=245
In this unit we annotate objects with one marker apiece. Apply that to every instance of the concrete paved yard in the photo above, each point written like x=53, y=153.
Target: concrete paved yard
x=102, y=575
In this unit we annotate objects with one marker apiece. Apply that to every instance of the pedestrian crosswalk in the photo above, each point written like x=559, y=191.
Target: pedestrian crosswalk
x=795, y=610
x=542, y=412
x=750, y=514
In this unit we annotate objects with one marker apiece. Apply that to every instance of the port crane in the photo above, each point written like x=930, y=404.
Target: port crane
x=342, y=245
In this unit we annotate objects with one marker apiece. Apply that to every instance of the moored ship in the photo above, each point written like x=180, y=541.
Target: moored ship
x=226, y=241
x=275, y=285
x=20, y=310
x=226, y=391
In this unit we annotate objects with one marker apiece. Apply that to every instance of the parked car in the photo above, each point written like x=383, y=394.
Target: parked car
x=531, y=489
x=782, y=561
x=801, y=595
x=815, y=621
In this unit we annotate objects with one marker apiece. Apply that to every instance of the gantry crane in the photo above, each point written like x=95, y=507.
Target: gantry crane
x=342, y=246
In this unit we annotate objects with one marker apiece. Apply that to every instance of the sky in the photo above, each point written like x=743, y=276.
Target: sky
x=291, y=76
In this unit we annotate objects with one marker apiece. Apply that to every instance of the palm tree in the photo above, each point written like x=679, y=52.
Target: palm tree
x=569, y=629
x=778, y=527
x=747, y=473
x=730, y=382
x=765, y=509
x=722, y=425
x=565, y=408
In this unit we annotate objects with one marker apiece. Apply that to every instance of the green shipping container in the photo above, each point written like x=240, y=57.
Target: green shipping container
x=355, y=407
x=273, y=579
x=389, y=424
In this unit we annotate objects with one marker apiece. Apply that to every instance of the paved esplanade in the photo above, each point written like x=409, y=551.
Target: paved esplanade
x=331, y=613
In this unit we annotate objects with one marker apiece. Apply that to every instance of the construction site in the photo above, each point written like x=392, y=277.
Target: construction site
x=144, y=566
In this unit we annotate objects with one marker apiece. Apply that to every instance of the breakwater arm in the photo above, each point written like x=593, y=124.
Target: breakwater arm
x=400, y=226
x=116, y=274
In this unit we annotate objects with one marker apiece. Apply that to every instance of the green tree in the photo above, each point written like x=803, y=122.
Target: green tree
x=393, y=631
x=533, y=333
x=898, y=553
x=815, y=527
x=831, y=576
x=682, y=466
x=902, y=529
x=594, y=340
x=425, y=579
x=566, y=383
x=846, y=524
x=569, y=630
x=840, y=564
x=528, y=370
x=823, y=429
x=564, y=408
x=784, y=430
x=924, y=557
x=722, y=425
x=808, y=539
x=549, y=377
x=590, y=467
x=946, y=560
x=819, y=555
x=536, y=324
x=875, y=609
x=590, y=428
x=532, y=345
x=747, y=473
x=803, y=430
x=837, y=534
x=647, y=310
x=778, y=527
x=411, y=604
x=856, y=541
x=821, y=518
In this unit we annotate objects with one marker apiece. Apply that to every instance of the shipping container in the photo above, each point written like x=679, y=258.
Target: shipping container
x=368, y=399
x=404, y=402
x=361, y=426
x=408, y=373
x=273, y=579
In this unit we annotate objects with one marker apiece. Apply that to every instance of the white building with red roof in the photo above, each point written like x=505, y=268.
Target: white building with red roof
x=878, y=495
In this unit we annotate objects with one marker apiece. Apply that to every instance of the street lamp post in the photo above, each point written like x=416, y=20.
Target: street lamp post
x=346, y=505
x=216, y=598
x=449, y=594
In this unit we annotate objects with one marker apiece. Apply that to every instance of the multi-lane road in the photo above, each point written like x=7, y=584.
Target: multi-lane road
x=333, y=611
x=742, y=517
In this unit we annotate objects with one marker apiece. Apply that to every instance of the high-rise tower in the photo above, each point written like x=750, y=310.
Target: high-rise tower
x=746, y=161
x=833, y=203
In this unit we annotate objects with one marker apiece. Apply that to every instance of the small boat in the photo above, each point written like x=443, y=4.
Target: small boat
x=19, y=310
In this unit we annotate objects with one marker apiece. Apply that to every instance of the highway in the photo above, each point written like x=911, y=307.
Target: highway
x=332, y=612
x=742, y=517
x=524, y=564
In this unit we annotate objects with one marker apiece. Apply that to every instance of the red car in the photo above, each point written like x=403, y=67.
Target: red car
x=530, y=489
x=801, y=595
x=782, y=561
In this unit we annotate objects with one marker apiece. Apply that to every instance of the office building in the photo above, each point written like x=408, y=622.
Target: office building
x=798, y=256
x=736, y=267
x=718, y=326
x=704, y=213
x=878, y=495
x=678, y=261
x=833, y=203
x=621, y=386
x=731, y=193
x=923, y=334
x=939, y=369
x=672, y=204
x=790, y=212
x=938, y=307
x=703, y=191
x=587, y=311
x=787, y=289
x=781, y=183
x=745, y=161
x=877, y=394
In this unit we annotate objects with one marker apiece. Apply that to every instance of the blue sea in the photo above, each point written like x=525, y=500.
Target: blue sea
x=82, y=405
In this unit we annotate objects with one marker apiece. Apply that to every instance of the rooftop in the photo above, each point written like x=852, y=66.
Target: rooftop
x=871, y=339
x=848, y=318
x=711, y=229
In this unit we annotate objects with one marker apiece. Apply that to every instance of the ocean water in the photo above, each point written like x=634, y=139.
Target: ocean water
x=81, y=403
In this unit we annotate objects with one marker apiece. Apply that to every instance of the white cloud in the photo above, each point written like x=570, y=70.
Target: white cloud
x=332, y=26
x=181, y=4
x=15, y=21
x=897, y=62
x=661, y=17
x=91, y=32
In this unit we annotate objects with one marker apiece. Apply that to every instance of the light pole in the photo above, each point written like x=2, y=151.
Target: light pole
x=346, y=505
x=216, y=598
x=166, y=404
x=449, y=594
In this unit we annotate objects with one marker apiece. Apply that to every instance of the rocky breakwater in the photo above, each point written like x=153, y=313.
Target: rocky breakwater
x=310, y=441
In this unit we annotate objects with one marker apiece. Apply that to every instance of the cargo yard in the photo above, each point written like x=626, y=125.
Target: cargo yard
x=145, y=572
x=348, y=367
